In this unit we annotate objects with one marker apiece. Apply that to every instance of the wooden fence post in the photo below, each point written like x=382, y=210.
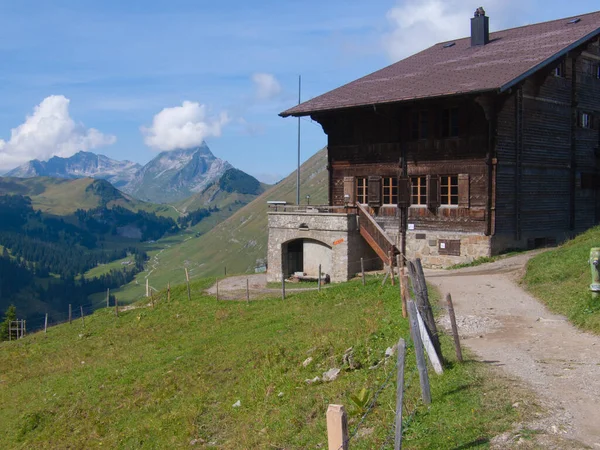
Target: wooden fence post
x=82, y=319
x=391, y=267
x=152, y=298
x=147, y=291
x=116, y=307
x=454, y=327
x=319, y=282
x=421, y=363
x=337, y=428
x=247, y=292
x=46, y=324
x=401, y=349
x=362, y=269
x=169, y=291
x=70, y=313
x=225, y=270
x=187, y=279
x=107, y=297
x=387, y=275
x=401, y=284
x=415, y=270
x=282, y=287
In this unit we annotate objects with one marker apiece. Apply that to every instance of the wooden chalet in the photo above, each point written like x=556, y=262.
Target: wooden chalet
x=473, y=146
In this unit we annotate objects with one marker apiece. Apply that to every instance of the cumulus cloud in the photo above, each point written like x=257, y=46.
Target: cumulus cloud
x=418, y=24
x=182, y=126
x=266, y=86
x=49, y=131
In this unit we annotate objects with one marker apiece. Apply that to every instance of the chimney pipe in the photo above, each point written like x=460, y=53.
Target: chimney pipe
x=480, y=28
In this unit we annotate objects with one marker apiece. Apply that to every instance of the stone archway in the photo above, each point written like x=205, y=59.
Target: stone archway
x=305, y=255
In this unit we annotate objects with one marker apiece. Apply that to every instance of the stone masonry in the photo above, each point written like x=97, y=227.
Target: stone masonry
x=338, y=232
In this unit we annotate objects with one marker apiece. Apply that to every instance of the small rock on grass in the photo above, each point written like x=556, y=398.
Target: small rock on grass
x=314, y=380
x=237, y=404
x=307, y=361
x=331, y=374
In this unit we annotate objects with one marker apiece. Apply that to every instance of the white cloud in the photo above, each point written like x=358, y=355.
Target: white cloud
x=266, y=86
x=49, y=131
x=418, y=24
x=182, y=126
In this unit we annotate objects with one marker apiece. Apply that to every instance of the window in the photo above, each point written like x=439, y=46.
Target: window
x=449, y=190
x=420, y=125
x=585, y=120
x=559, y=71
x=390, y=190
x=362, y=191
x=419, y=190
x=450, y=122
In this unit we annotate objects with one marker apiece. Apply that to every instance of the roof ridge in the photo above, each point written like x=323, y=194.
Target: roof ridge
x=576, y=16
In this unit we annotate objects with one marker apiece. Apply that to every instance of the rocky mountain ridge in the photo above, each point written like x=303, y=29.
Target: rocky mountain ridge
x=169, y=177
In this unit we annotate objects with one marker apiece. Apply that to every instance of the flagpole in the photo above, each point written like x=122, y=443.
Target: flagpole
x=298, y=170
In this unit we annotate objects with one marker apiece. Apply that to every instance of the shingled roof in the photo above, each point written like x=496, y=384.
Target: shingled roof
x=439, y=71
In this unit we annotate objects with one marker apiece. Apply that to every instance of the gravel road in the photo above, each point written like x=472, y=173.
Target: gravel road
x=508, y=328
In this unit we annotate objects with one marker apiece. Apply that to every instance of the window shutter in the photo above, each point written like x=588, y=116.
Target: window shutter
x=463, y=190
x=433, y=191
x=349, y=190
x=374, y=191
x=404, y=192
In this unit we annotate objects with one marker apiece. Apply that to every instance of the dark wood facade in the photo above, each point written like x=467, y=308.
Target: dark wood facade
x=522, y=165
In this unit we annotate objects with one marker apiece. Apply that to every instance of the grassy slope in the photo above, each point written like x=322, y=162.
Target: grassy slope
x=63, y=196
x=213, y=196
x=235, y=243
x=160, y=378
x=561, y=279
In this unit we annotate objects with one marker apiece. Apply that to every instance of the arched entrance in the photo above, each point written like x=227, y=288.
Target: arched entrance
x=305, y=256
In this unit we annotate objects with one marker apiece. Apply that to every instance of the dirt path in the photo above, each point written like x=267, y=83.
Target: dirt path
x=507, y=327
x=234, y=288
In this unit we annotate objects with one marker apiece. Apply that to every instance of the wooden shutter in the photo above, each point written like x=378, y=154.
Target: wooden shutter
x=374, y=191
x=433, y=191
x=463, y=190
x=404, y=192
x=349, y=190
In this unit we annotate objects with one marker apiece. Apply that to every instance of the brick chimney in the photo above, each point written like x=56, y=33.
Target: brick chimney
x=480, y=28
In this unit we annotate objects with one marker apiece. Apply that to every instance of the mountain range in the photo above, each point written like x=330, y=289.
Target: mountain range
x=169, y=177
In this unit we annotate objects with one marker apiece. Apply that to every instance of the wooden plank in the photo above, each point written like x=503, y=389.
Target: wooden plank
x=454, y=328
x=421, y=364
x=431, y=353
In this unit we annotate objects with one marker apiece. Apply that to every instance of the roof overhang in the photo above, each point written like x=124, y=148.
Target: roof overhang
x=393, y=102
x=549, y=61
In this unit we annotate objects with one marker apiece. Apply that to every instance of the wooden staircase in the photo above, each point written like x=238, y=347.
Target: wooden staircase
x=376, y=236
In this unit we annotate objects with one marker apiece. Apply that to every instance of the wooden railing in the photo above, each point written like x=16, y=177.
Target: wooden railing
x=313, y=209
x=376, y=236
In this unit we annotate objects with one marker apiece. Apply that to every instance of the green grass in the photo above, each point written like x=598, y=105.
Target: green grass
x=102, y=269
x=561, y=279
x=234, y=242
x=163, y=377
x=484, y=260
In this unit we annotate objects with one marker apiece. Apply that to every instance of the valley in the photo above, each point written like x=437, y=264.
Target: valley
x=103, y=237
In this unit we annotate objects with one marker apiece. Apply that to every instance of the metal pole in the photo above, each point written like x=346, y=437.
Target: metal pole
x=319, y=277
x=298, y=171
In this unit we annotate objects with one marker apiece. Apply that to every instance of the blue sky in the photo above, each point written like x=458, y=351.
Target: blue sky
x=96, y=74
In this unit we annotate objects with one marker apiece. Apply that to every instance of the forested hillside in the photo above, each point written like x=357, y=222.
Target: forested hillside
x=44, y=256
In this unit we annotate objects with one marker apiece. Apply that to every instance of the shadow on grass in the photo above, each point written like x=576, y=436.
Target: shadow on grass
x=473, y=444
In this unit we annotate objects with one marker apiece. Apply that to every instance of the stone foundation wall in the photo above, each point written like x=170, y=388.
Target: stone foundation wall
x=430, y=246
x=337, y=231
